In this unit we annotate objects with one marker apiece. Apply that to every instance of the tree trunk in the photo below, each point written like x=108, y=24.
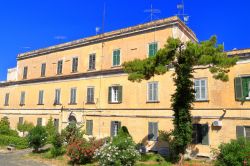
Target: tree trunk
x=181, y=159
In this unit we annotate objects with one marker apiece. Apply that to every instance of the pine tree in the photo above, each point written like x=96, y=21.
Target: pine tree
x=185, y=59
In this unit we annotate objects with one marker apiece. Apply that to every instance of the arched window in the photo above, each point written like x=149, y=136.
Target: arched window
x=72, y=119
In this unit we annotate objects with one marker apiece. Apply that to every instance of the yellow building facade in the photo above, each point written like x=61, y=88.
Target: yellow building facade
x=83, y=81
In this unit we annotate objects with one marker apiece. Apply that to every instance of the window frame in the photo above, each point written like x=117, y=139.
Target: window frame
x=59, y=67
x=154, y=42
x=111, y=94
x=92, y=101
x=148, y=95
x=116, y=65
x=25, y=72
x=200, y=137
x=200, y=89
x=7, y=99
x=73, y=96
x=41, y=97
x=43, y=69
x=90, y=65
x=155, y=125
x=91, y=123
x=74, y=67
x=57, y=100
x=22, y=98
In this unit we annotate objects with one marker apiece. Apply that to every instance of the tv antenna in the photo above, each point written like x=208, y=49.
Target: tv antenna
x=152, y=12
x=181, y=12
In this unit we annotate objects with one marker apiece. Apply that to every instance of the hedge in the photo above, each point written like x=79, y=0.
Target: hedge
x=20, y=143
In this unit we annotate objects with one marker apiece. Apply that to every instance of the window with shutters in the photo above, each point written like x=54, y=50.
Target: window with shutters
x=243, y=131
x=56, y=124
x=74, y=64
x=117, y=57
x=115, y=94
x=25, y=72
x=57, y=97
x=22, y=99
x=59, y=67
x=39, y=122
x=90, y=95
x=152, y=49
x=152, y=131
x=115, y=126
x=153, y=92
x=43, y=69
x=20, y=120
x=200, y=134
x=242, y=88
x=89, y=127
x=92, y=58
x=73, y=96
x=200, y=87
x=40, y=97
x=6, y=100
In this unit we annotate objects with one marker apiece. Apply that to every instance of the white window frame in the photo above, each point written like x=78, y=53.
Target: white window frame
x=73, y=96
x=114, y=94
x=200, y=89
x=92, y=61
x=152, y=43
x=113, y=57
x=72, y=65
x=40, y=99
x=57, y=97
x=91, y=87
x=156, y=99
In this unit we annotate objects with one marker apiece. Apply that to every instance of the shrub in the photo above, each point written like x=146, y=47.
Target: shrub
x=25, y=127
x=5, y=128
x=51, y=130
x=120, y=151
x=72, y=132
x=37, y=137
x=57, y=143
x=19, y=143
x=236, y=152
x=81, y=151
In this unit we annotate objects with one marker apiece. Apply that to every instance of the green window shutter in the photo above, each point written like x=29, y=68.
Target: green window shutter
x=119, y=125
x=245, y=87
x=205, y=138
x=56, y=124
x=151, y=50
x=89, y=127
x=109, y=95
x=150, y=131
x=118, y=57
x=155, y=129
x=112, y=128
x=239, y=131
x=120, y=94
x=238, y=88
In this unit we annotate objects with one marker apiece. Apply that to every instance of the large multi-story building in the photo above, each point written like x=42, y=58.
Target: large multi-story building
x=83, y=81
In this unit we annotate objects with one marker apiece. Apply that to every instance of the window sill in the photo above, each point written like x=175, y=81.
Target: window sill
x=91, y=69
x=199, y=101
x=74, y=72
x=59, y=74
x=72, y=103
x=42, y=76
x=22, y=105
x=57, y=104
x=116, y=66
x=115, y=102
x=6, y=105
x=40, y=104
x=153, y=102
x=90, y=103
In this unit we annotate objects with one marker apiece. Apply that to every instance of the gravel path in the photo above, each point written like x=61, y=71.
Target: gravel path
x=16, y=159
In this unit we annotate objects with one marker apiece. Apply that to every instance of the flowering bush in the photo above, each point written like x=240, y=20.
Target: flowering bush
x=121, y=151
x=81, y=151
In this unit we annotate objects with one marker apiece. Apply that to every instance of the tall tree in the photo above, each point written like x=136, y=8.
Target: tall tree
x=185, y=58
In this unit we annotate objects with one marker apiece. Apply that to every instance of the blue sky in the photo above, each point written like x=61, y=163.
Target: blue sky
x=31, y=24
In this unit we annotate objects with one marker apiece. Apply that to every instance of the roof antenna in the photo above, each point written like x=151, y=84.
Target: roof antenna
x=152, y=12
x=181, y=12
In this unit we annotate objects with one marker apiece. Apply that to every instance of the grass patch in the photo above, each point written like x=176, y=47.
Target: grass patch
x=152, y=159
